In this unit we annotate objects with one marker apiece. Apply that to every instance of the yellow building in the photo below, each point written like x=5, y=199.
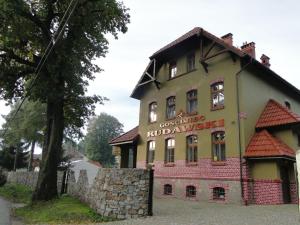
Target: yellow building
x=215, y=124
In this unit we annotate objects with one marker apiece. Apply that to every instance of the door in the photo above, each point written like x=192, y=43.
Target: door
x=286, y=194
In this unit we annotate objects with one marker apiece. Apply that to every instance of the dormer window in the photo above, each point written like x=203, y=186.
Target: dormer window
x=190, y=62
x=287, y=104
x=172, y=69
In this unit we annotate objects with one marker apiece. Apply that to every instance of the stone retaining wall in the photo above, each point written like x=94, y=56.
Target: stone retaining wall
x=117, y=193
x=29, y=179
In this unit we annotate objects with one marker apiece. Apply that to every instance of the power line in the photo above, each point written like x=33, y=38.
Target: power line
x=46, y=54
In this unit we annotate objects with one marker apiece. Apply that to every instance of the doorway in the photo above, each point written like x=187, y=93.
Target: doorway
x=284, y=175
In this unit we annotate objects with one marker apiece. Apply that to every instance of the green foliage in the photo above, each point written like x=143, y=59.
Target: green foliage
x=8, y=154
x=66, y=210
x=26, y=28
x=16, y=193
x=27, y=126
x=101, y=130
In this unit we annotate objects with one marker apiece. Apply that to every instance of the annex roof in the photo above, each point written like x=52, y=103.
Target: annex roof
x=126, y=138
x=275, y=114
x=263, y=144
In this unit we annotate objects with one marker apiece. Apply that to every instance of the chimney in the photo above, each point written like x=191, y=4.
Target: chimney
x=265, y=60
x=249, y=48
x=227, y=38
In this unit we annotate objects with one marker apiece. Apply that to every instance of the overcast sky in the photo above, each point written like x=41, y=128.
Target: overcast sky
x=273, y=25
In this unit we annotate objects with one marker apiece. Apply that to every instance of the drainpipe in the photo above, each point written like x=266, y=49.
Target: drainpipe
x=239, y=126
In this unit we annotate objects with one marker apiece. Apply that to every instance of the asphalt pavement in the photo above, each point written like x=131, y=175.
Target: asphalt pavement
x=4, y=212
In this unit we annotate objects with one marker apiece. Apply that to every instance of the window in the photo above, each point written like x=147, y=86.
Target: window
x=150, y=151
x=171, y=112
x=190, y=62
x=217, y=95
x=287, y=104
x=192, y=102
x=190, y=191
x=218, y=146
x=172, y=69
x=298, y=137
x=153, y=112
x=167, y=189
x=170, y=147
x=192, y=148
x=218, y=193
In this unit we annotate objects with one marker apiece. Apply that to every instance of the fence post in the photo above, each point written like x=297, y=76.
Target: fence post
x=298, y=173
x=150, y=196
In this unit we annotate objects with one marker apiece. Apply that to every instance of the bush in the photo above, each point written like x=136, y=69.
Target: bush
x=3, y=177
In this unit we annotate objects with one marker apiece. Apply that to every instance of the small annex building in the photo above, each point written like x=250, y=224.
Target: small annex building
x=215, y=124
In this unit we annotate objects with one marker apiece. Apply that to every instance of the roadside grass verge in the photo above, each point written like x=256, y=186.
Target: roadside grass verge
x=16, y=193
x=64, y=210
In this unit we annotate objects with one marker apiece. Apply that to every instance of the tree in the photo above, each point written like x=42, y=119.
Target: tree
x=101, y=130
x=27, y=127
x=14, y=157
x=27, y=27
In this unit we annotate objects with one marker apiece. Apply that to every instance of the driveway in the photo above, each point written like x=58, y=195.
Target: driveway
x=4, y=212
x=179, y=212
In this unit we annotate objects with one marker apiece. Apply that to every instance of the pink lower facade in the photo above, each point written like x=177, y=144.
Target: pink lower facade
x=207, y=177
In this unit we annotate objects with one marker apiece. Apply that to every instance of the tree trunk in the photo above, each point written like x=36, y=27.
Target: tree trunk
x=46, y=188
x=16, y=160
x=31, y=156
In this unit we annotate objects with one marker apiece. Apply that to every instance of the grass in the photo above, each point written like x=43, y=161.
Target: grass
x=16, y=193
x=63, y=210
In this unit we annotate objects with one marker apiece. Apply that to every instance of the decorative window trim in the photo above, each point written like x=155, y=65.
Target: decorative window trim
x=164, y=190
x=149, y=112
x=188, y=57
x=190, y=133
x=217, y=129
x=217, y=93
x=169, y=106
x=187, y=194
x=190, y=99
x=219, y=144
x=217, y=80
x=170, y=158
x=194, y=147
x=148, y=151
x=226, y=191
x=191, y=88
x=172, y=64
x=169, y=136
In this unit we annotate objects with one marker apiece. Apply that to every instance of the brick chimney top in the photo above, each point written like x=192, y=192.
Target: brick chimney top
x=249, y=48
x=265, y=60
x=227, y=38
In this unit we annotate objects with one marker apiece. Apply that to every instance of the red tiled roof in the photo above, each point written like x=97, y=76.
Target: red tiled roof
x=276, y=114
x=129, y=136
x=263, y=144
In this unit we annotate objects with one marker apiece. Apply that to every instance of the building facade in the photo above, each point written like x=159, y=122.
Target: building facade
x=215, y=124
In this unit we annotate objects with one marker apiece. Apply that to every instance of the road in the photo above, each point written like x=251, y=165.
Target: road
x=179, y=212
x=4, y=212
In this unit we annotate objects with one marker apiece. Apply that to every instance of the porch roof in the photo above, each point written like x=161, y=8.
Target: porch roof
x=126, y=138
x=263, y=144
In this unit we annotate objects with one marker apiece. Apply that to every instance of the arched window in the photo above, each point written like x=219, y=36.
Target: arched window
x=218, y=193
x=287, y=104
x=190, y=191
x=170, y=149
x=218, y=146
x=191, y=154
x=171, y=107
x=217, y=95
x=191, y=102
x=167, y=189
x=152, y=112
x=150, y=151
